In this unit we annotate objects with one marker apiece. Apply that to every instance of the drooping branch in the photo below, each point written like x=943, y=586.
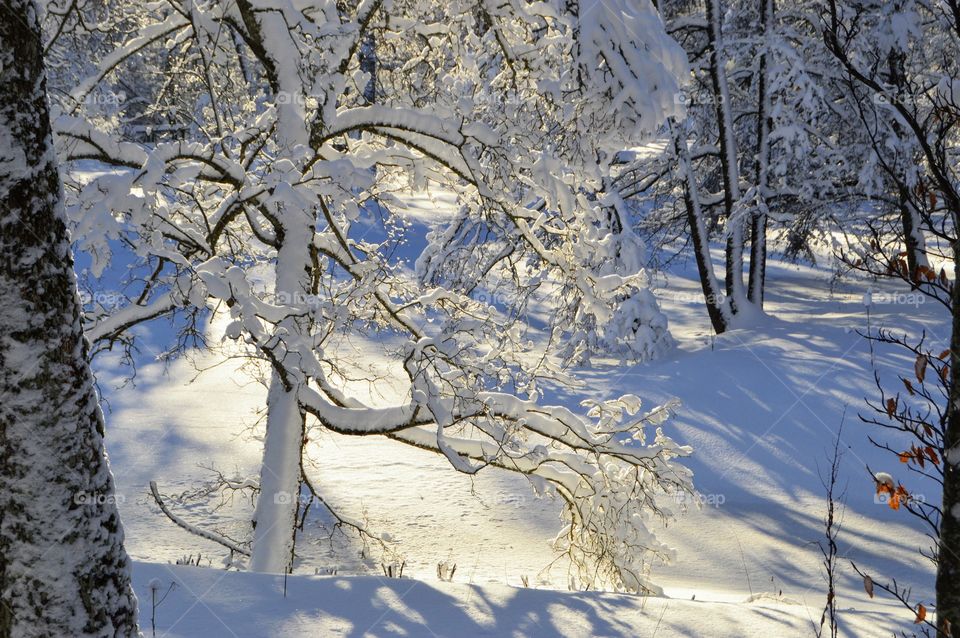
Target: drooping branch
x=193, y=529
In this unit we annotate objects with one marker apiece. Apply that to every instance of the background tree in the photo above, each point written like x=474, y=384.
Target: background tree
x=900, y=61
x=756, y=155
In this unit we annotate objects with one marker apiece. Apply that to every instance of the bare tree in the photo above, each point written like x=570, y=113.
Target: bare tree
x=917, y=99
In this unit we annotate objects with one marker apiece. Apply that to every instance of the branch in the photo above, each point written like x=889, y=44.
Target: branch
x=210, y=536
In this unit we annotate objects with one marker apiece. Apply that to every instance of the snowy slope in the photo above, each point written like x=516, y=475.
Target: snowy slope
x=210, y=603
x=760, y=406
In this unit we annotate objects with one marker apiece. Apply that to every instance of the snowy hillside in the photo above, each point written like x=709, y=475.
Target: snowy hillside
x=208, y=602
x=761, y=407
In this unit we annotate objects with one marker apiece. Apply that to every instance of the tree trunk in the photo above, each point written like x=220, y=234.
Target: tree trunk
x=63, y=568
x=948, y=556
x=729, y=167
x=914, y=244
x=717, y=308
x=909, y=220
x=758, y=223
x=280, y=479
x=758, y=258
x=275, y=518
x=368, y=64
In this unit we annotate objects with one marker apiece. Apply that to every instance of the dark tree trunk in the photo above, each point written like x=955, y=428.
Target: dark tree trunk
x=948, y=556
x=758, y=223
x=715, y=301
x=914, y=249
x=728, y=159
x=758, y=259
x=63, y=569
x=368, y=64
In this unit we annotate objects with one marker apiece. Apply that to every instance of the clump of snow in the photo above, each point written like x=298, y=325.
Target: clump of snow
x=884, y=478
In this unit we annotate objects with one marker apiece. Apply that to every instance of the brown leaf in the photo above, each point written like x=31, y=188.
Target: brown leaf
x=920, y=367
x=921, y=614
x=908, y=386
x=944, y=373
x=868, y=586
x=943, y=355
x=891, y=406
x=894, y=501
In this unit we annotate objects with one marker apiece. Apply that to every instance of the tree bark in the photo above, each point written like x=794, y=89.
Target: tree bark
x=758, y=223
x=729, y=166
x=948, y=555
x=909, y=222
x=912, y=238
x=717, y=308
x=280, y=481
x=63, y=568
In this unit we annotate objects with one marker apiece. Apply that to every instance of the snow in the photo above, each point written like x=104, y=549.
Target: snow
x=207, y=602
x=12, y=160
x=760, y=407
x=883, y=478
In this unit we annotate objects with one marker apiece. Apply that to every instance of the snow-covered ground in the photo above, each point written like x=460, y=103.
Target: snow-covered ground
x=207, y=603
x=761, y=407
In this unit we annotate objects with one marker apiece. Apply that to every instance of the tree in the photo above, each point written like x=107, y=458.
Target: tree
x=901, y=64
x=263, y=212
x=63, y=569
x=757, y=148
